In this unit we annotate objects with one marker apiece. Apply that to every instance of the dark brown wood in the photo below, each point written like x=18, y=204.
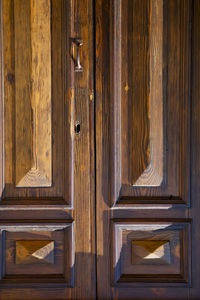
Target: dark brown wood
x=139, y=237
x=194, y=292
x=150, y=125
x=161, y=196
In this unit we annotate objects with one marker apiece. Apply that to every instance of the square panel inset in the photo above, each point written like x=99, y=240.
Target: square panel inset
x=34, y=252
x=37, y=253
x=151, y=253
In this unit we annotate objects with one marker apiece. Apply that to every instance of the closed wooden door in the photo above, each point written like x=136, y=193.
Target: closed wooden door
x=47, y=150
x=147, y=149
x=99, y=149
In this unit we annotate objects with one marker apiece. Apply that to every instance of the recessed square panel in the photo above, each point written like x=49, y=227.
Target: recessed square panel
x=151, y=253
x=37, y=253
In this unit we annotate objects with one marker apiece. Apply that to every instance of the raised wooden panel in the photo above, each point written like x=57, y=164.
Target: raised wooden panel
x=38, y=104
x=34, y=252
x=150, y=102
x=37, y=253
x=32, y=39
x=151, y=253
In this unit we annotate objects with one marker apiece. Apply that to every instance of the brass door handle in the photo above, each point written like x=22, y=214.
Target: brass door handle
x=78, y=67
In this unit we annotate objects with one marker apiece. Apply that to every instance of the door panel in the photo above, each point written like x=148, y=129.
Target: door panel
x=37, y=127
x=36, y=253
x=47, y=151
x=139, y=240
x=150, y=122
x=147, y=252
x=145, y=51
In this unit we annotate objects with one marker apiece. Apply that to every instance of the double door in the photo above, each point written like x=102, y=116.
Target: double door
x=99, y=149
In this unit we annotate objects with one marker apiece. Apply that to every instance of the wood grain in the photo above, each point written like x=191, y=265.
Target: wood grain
x=135, y=88
x=59, y=136
x=33, y=93
x=116, y=197
x=73, y=156
x=34, y=252
x=153, y=174
x=71, y=195
x=146, y=136
x=150, y=252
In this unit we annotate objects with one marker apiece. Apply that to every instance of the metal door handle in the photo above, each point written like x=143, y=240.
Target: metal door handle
x=78, y=67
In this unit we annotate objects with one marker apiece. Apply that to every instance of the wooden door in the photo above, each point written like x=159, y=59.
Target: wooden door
x=147, y=149
x=138, y=239
x=46, y=150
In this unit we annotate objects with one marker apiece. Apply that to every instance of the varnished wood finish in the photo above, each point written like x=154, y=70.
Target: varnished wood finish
x=33, y=252
x=134, y=240
x=123, y=207
x=135, y=35
x=16, y=272
x=55, y=137
x=32, y=93
x=140, y=238
x=68, y=199
x=150, y=129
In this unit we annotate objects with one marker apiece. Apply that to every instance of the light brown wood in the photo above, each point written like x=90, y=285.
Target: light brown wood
x=151, y=252
x=33, y=93
x=34, y=252
x=61, y=189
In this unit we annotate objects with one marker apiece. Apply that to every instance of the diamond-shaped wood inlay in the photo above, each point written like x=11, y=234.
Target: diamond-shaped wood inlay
x=34, y=252
x=150, y=252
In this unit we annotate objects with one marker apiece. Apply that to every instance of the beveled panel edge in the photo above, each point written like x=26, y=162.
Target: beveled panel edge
x=67, y=199
x=117, y=198
x=184, y=225
x=67, y=280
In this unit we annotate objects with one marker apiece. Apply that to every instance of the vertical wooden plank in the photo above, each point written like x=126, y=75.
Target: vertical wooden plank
x=1, y=103
x=83, y=162
x=33, y=93
x=103, y=94
x=55, y=140
x=138, y=56
x=41, y=88
x=24, y=115
x=153, y=174
x=9, y=83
